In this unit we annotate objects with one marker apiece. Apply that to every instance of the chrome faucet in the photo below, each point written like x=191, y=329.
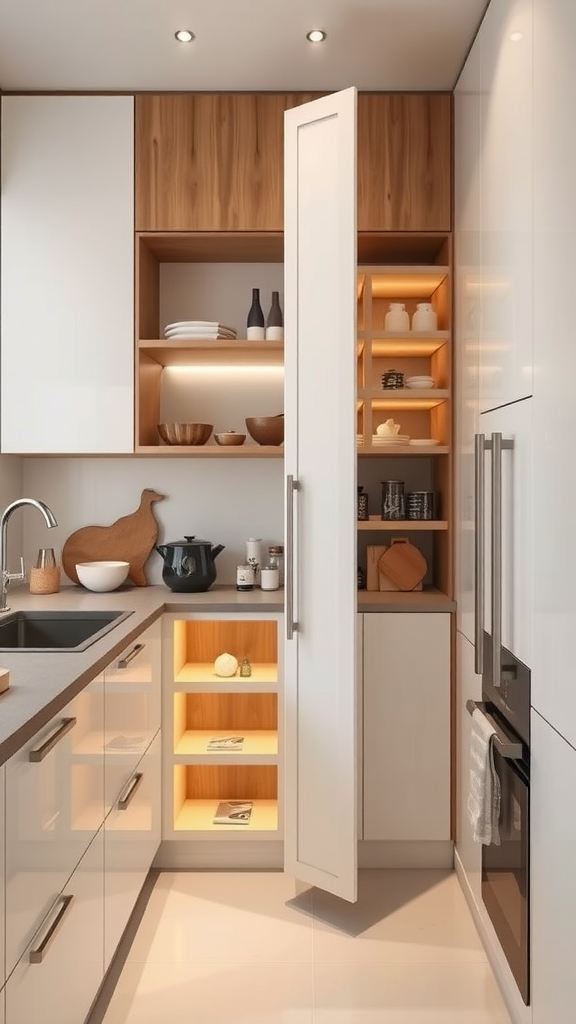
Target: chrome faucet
x=5, y=576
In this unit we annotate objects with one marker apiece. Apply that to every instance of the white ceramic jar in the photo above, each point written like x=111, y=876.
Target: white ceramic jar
x=397, y=318
x=424, y=317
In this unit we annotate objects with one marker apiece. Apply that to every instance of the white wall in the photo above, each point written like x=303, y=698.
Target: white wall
x=220, y=500
x=11, y=485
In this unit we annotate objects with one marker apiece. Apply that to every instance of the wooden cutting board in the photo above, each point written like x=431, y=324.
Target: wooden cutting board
x=403, y=564
x=373, y=554
x=129, y=539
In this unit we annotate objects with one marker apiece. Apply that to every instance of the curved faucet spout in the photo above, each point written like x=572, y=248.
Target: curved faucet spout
x=5, y=576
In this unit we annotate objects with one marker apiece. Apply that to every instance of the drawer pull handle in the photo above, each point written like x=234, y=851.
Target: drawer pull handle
x=124, y=662
x=37, y=955
x=39, y=753
x=128, y=793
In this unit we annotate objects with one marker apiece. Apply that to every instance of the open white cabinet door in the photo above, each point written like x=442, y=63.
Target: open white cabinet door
x=320, y=838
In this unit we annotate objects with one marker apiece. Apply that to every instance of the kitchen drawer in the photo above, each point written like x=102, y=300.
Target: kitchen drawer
x=54, y=808
x=139, y=664
x=131, y=838
x=60, y=989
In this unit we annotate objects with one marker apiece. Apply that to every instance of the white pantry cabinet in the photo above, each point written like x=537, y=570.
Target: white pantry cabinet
x=320, y=462
x=505, y=154
x=514, y=422
x=467, y=320
x=2, y=910
x=468, y=687
x=407, y=726
x=553, y=894
x=553, y=692
x=67, y=281
x=61, y=970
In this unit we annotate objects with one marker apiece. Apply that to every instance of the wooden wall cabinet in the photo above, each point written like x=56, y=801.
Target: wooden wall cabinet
x=211, y=161
x=215, y=161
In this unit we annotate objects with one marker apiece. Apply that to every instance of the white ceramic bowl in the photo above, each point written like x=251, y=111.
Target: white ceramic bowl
x=102, y=576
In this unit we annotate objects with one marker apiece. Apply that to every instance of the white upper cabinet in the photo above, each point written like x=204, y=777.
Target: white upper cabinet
x=320, y=457
x=467, y=318
x=506, y=277
x=553, y=691
x=67, y=241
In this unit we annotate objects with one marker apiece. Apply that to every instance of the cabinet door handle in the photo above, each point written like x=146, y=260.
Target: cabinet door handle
x=124, y=662
x=292, y=487
x=127, y=794
x=497, y=445
x=37, y=954
x=39, y=753
x=479, y=447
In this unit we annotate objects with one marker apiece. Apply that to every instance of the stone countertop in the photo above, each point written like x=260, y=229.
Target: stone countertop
x=42, y=684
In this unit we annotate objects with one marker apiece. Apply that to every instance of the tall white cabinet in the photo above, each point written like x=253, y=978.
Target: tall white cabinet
x=320, y=463
x=505, y=280
x=67, y=306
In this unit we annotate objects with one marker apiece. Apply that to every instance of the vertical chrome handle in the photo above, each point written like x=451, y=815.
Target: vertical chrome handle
x=496, y=544
x=479, y=445
x=291, y=626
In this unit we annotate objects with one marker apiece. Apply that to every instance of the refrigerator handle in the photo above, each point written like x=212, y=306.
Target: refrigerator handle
x=479, y=446
x=497, y=445
x=291, y=626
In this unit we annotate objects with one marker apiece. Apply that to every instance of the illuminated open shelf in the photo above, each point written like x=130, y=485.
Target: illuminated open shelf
x=197, y=815
x=207, y=351
x=193, y=674
x=401, y=524
x=259, y=746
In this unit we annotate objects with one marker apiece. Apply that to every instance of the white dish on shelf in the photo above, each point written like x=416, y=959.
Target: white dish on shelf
x=425, y=442
x=421, y=385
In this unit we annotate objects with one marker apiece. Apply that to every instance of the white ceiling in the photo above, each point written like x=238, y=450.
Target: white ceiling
x=240, y=44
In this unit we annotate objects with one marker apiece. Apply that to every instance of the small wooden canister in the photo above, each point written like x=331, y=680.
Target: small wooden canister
x=45, y=580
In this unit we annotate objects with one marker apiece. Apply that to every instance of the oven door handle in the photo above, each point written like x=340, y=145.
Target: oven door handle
x=506, y=748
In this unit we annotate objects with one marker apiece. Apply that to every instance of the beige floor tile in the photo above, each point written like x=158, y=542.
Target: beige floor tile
x=401, y=916
x=210, y=993
x=225, y=916
x=407, y=994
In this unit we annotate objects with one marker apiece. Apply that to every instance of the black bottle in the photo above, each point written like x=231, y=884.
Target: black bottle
x=274, y=320
x=255, y=322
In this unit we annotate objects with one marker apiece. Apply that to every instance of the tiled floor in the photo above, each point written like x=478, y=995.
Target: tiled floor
x=242, y=948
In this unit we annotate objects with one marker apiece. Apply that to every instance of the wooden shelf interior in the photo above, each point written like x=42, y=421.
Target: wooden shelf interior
x=201, y=716
x=198, y=642
x=198, y=788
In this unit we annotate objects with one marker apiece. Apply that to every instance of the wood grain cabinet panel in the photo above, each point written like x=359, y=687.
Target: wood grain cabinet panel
x=404, y=161
x=211, y=161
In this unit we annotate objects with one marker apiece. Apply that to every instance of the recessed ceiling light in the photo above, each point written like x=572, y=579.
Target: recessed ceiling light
x=516, y=36
x=184, y=35
x=316, y=35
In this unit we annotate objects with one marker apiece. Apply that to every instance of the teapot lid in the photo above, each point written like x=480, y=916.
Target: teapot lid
x=188, y=541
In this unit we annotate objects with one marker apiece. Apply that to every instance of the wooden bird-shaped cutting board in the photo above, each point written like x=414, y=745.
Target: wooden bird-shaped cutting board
x=129, y=539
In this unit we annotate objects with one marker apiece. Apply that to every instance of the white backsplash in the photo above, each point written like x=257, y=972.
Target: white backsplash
x=11, y=487
x=222, y=500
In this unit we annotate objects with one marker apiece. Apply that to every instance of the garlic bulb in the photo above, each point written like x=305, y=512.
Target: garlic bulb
x=225, y=665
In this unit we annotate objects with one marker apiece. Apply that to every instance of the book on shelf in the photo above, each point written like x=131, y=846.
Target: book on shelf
x=233, y=812
x=225, y=743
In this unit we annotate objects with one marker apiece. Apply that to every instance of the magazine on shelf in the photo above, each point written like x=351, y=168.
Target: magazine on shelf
x=233, y=812
x=225, y=743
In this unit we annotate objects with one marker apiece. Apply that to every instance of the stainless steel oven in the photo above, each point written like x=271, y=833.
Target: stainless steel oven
x=506, y=704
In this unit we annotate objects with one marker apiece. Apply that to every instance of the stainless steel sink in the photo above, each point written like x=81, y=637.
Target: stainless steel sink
x=56, y=631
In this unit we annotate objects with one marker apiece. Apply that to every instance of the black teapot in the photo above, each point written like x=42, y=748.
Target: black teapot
x=189, y=564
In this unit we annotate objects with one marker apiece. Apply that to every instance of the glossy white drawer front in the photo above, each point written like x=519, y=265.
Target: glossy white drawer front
x=54, y=808
x=132, y=837
x=61, y=988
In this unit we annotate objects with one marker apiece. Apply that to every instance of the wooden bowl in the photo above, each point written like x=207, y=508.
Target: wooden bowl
x=185, y=433
x=229, y=437
x=266, y=429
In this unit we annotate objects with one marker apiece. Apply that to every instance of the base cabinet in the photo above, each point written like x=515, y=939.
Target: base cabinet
x=131, y=839
x=57, y=977
x=553, y=895
x=407, y=726
x=468, y=687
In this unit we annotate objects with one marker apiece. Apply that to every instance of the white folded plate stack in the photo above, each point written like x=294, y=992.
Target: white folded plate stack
x=421, y=382
x=386, y=440
x=188, y=330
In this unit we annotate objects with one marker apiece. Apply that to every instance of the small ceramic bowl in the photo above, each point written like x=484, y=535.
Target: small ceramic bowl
x=185, y=433
x=229, y=437
x=102, y=576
